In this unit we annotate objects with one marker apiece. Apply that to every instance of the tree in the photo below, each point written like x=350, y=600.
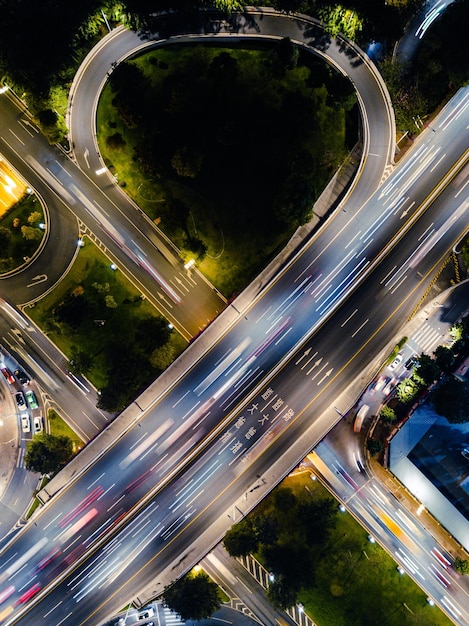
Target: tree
x=450, y=400
x=162, y=357
x=47, y=453
x=116, y=142
x=444, y=358
x=292, y=561
x=388, y=414
x=241, y=539
x=266, y=528
x=80, y=362
x=151, y=333
x=5, y=238
x=281, y=594
x=407, y=390
x=73, y=311
x=284, y=57
x=374, y=446
x=461, y=565
x=187, y=162
x=34, y=217
x=195, y=596
x=31, y=233
x=317, y=518
x=284, y=499
x=110, y=302
x=427, y=370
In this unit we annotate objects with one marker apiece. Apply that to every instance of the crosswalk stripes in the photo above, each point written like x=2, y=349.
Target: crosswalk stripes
x=427, y=339
x=170, y=618
x=20, y=459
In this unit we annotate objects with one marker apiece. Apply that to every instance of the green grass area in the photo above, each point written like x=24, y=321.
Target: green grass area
x=229, y=205
x=36, y=503
x=18, y=247
x=111, y=335
x=58, y=427
x=395, y=350
x=357, y=583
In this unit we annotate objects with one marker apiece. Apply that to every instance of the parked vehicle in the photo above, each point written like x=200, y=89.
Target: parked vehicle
x=20, y=401
x=38, y=425
x=8, y=375
x=22, y=377
x=396, y=362
x=25, y=423
x=31, y=399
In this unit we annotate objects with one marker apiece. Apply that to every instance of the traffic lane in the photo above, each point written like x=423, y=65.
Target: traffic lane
x=234, y=445
x=218, y=487
x=365, y=238
x=237, y=582
x=411, y=546
x=39, y=357
x=89, y=202
x=189, y=481
x=259, y=23
x=53, y=259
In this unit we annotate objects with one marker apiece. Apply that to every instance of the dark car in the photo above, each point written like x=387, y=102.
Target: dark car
x=409, y=364
x=20, y=401
x=21, y=376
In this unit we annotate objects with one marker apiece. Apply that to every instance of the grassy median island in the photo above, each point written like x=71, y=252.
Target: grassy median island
x=322, y=558
x=99, y=320
x=20, y=234
x=226, y=150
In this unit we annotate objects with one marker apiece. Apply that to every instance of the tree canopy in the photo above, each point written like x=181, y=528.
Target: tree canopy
x=195, y=596
x=47, y=453
x=291, y=555
x=450, y=400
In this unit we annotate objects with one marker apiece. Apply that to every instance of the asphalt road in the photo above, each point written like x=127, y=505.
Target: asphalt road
x=239, y=585
x=45, y=364
x=183, y=296
x=251, y=420
x=77, y=205
x=229, y=372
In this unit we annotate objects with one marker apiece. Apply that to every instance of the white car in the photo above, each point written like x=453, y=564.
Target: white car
x=396, y=362
x=38, y=426
x=25, y=423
